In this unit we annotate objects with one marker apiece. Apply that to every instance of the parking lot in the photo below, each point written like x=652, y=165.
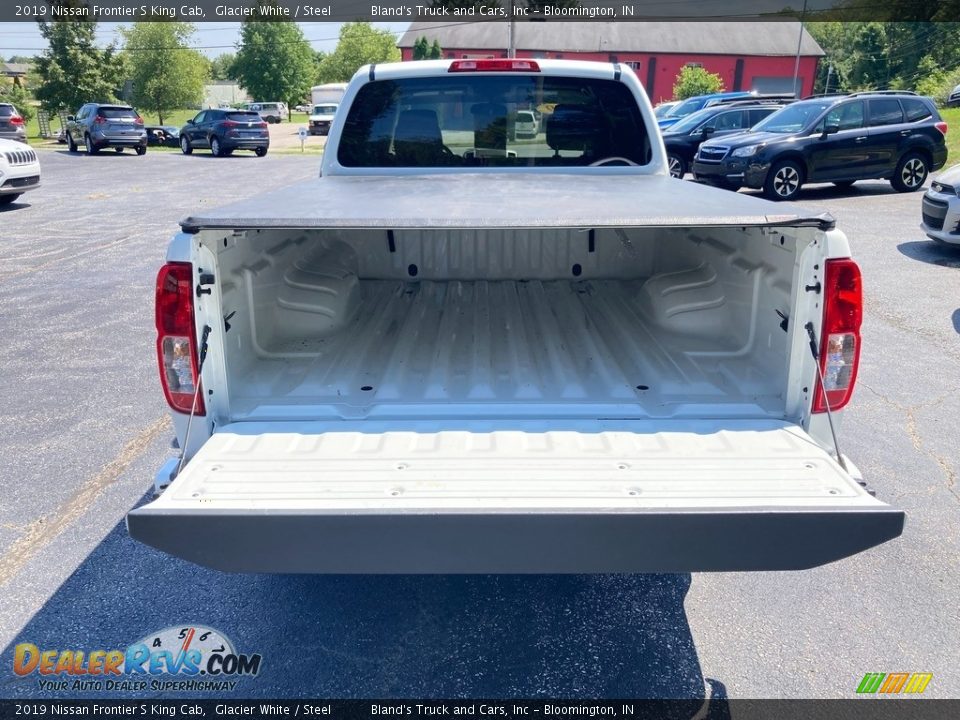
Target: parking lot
x=85, y=428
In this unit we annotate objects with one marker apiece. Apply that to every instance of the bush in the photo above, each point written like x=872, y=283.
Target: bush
x=938, y=85
x=696, y=81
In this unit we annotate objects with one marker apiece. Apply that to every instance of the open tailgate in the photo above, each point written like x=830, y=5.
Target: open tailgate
x=588, y=496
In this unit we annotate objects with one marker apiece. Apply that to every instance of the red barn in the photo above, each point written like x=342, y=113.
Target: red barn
x=747, y=55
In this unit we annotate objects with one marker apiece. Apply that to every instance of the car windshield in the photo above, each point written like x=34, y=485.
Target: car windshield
x=324, y=109
x=687, y=107
x=792, y=118
x=690, y=121
x=464, y=120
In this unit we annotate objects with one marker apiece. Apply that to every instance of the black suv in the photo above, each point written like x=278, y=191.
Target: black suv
x=225, y=130
x=898, y=136
x=684, y=138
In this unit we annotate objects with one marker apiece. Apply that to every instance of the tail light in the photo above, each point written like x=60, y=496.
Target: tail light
x=261, y=125
x=498, y=65
x=99, y=120
x=230, y=123
x=139, y=120
x=840, y=335
x=942, y=127
x=176, y=337
x=16, y=120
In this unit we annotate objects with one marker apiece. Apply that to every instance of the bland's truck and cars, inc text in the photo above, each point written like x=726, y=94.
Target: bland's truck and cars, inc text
x=460, y=350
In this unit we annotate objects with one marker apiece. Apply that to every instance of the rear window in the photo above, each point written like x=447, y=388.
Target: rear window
x=915, y=109
x=467, y=121
x=7, y=109
x=885, y=111
x=113, y=113
x=242, y=116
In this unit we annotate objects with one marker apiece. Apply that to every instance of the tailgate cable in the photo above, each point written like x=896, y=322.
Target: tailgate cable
x=816, y=357
x=196, y=393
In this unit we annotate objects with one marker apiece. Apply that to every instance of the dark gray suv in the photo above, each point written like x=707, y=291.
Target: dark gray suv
x=100, y=125
x=225, y=130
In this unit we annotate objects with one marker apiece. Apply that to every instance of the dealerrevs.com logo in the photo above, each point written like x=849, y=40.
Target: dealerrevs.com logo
x=188, y=658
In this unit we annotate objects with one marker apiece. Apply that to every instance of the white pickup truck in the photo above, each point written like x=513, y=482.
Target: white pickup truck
x=459, y=353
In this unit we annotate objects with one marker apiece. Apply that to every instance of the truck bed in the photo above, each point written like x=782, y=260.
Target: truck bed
x=480, y=342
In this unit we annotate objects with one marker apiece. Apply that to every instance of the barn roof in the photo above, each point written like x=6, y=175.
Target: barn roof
x=700, y=38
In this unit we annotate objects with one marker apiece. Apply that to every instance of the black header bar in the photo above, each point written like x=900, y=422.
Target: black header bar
x=200, y=11
x=853, y=709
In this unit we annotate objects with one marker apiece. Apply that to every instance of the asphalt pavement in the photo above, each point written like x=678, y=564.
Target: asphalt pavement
x=85, y=428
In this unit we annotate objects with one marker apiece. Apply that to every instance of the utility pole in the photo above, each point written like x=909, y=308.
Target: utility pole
x=796, y=64
x=511, y=37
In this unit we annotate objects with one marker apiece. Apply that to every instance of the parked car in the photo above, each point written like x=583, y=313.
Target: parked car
x=163, y=135
x=224, y=131
x=97, y=126
x=954, y=99
x=664, y=108
x=893, y=135
x=12, y=126
x=526, y=124
x=272, y=112
x=19, y=170
x=941, y=208
x=691, y=105
x=684, y=139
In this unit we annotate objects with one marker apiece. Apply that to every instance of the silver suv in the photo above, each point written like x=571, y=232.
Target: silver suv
x=11, y=123
x=99, y=125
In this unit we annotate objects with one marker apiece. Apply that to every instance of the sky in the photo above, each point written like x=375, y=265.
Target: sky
x=212, y=39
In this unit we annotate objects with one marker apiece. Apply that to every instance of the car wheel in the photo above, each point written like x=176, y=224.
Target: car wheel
x=261, y=151
x=141, y=149
x=88, y=144
x=844, y=184
x=911, y=173
x=118, y=150
x=7, y=199
x=783, y=181
x=71, y=145
x=215, y=146
x=676, y=165
x=226, y=153
x=185, y=147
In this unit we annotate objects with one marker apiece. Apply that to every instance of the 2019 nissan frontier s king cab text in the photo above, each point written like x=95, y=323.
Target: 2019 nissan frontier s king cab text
x=457, y=352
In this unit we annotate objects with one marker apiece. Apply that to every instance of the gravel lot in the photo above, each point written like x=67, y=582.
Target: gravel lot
x=85, y=428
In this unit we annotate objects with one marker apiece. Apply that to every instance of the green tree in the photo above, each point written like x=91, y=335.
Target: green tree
x=360, y=43
x=274, y=61
x=73, y=70
x=221, y=67
x=696, y=81
x=436, y=52
x=421, y=48
x=165, y=72
x=19, y=97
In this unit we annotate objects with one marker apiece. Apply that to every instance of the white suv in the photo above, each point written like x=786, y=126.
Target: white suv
x=19, y=170
x=272, y=112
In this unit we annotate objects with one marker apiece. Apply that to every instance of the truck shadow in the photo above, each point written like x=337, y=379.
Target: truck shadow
x=613, y=636
x=933, y=252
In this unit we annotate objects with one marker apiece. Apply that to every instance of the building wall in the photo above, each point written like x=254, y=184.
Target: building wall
x=755, y=69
